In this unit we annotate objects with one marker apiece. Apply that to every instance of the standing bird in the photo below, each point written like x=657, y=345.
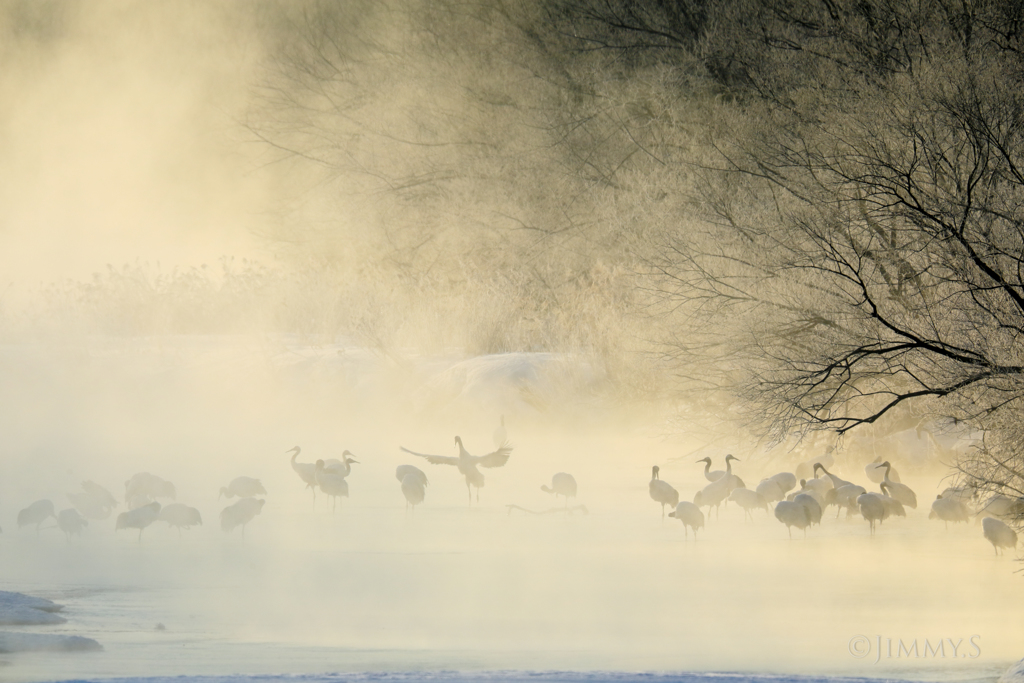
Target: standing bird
x=748, y=500
x=138, y=518
x=714, y=494
x=871, y=508
x=846, y=497
x=305, y=470
x=341, y=467
x=500, y=435
x=900, y=492
x=792, y=514
x=691, y=517
x=36, y=513
x=998, y=534
x=562, y=484
x=181, y=516
x=332, y=482
x=1001, y=507
x=242, y=487
x=949, y=509
x=712, y=475
x=467, y=464
x=836, y=481
x=70, y=522
x=402, y=470
x=414, y=488
x=874, y=472
x=812, y=506
x=661, y=491
x=240, y=513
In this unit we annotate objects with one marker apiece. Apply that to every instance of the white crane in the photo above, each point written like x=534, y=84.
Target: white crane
x=811, y=487
x=181, y=516
x=71, y=523
x=467, y=464
x=999, y=534
x=900, y=492
x=837, y=482
x=341, y=467
x=305, y=470
x=812, y=506
x=846, y=497
x=242, y=487
x=709, y=474
x=661, y=491
x=949, y=509
x=402, y=470
x=893, y=507
x=748, y=500
x=871, y=508
x=414, y=489
x=332, y=483
x=240, y=513
x=36, y=513
x=691, y=517
x=714, y=494
x=792, y=514
x=1001, y=507
x=94, y=501
x=775, y=487
x=562, y=484
x=138, y=518
x=144, y=487
x=873, y=470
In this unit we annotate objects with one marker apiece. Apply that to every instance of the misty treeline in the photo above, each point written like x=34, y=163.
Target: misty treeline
x=803, y=215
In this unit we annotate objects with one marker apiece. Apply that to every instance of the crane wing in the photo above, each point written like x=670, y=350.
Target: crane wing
x=435, y=459
x=495, y=459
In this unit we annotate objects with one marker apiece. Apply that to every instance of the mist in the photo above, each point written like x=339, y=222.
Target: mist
x=197, y=278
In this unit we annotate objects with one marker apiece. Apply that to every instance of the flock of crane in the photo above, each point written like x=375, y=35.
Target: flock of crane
x=795, y=507
x=819, y=489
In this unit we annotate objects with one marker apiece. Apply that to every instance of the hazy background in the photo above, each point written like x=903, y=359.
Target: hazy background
x=197, y=277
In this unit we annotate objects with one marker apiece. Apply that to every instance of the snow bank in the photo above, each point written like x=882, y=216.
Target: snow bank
x=1015, y=674
x=45, y=642
x=24, y=610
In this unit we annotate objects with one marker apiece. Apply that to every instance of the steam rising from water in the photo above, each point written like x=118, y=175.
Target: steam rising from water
x=120, y=142
x=451, y=585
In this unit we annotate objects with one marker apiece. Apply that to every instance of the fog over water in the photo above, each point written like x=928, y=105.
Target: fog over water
x=123, y=142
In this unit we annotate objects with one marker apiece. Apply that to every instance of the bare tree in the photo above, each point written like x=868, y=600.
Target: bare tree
x=854, y=244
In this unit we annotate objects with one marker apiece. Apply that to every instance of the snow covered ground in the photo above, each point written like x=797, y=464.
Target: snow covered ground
x=450, y=592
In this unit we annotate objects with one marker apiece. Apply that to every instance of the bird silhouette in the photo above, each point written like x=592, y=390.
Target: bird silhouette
x=71, y=523
x=242, y=487
x=180, y=516
x=894, y=488
x=691, y=517
x=999, y=534
x=562, y=484
x=467, y=464
x=305, y=470
x=240, y=513
x=661, y=491
x=792, y=514
x=36, y=513
x=138, y=518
